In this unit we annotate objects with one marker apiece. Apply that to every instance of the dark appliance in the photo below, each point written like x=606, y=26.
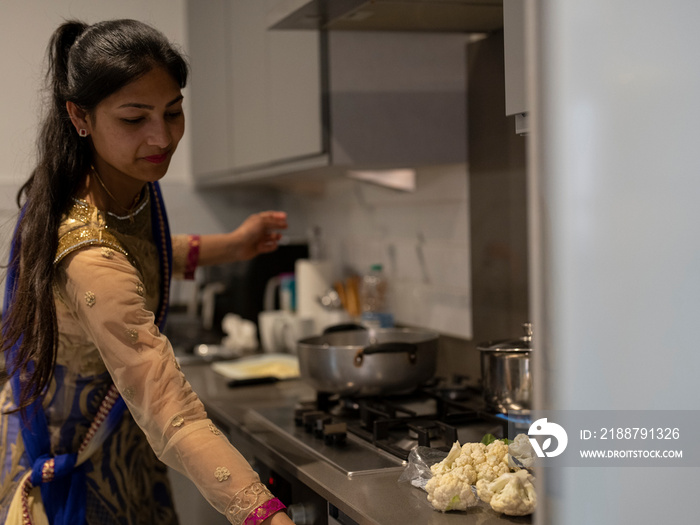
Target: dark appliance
x=245, y=281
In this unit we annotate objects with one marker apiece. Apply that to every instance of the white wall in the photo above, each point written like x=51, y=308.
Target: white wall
x=421, y=238
x=25, y=29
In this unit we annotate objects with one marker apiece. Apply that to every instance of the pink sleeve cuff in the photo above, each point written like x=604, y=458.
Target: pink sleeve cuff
x=264, y=511
x=192, y=256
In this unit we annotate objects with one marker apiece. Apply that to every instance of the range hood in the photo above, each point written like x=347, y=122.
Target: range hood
x=468, y=16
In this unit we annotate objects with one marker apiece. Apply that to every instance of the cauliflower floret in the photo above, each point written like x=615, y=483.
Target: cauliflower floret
x=446, y=464
x=511, y=493
x=495, y=461
x=466, y=474
x=482, y=490
x=472, y=463
x=497, y=448
x=521, y=449
x=450, y=492
x=455, y=465
x=472, y=454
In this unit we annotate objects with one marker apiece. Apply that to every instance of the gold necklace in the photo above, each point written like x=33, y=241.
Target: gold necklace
x=114, y=199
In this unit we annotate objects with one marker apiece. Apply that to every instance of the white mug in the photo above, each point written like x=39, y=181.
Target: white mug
x=280, y=330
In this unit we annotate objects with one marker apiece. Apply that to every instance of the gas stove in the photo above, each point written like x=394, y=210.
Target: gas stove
x=366, y=435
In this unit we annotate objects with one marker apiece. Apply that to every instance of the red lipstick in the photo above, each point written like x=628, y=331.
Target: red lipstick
x=157, y=159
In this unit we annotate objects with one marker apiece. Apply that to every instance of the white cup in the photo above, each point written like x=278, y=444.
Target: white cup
x=280, y=330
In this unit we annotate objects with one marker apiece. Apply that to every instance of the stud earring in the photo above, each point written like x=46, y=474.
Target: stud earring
x=82, y=132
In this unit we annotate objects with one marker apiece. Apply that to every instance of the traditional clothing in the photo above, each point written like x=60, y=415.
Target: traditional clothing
x=111, y=294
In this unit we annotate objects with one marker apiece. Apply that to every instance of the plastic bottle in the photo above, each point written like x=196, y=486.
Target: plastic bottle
x=373, y=299
x=287, y=292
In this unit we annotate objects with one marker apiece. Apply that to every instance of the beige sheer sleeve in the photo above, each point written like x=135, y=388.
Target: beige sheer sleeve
x=106, y=296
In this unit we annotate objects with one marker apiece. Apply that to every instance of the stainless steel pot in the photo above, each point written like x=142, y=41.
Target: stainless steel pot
x=506, y=372
x=368, y=362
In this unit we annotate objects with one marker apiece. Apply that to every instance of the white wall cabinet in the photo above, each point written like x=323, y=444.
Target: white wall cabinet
x=267, y=103
x=256, y=94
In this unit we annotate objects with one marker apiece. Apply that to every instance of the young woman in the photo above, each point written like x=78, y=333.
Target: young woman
x=96, y=399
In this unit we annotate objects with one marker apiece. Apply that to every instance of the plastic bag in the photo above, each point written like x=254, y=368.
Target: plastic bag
x=420, y=459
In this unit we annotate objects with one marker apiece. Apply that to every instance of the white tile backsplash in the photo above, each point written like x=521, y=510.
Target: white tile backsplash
x=421, y=239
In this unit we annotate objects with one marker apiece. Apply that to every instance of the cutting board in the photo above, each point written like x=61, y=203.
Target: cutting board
x=278, y=366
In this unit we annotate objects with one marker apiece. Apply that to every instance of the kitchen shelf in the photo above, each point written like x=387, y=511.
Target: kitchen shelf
x=305, y=174
x=466, y=16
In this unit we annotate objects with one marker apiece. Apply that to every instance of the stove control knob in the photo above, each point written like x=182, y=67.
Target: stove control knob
x=319, y=424
x=310, y=418
x=335, y=434
x=302, y=513
x=300, y=412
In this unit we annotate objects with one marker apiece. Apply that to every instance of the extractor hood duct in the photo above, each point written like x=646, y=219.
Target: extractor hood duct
x=468, y=16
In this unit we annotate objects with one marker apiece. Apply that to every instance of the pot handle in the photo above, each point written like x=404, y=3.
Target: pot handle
x=387, y=348
x=343, y=327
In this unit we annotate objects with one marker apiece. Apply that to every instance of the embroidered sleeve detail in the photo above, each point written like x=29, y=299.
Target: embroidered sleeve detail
x=222, y=473
x=140, y=290
x=214, y=430
x=132, y=334
x=128, y=393
x=101, y=222
x=88, y=236
x=192, y=256
x=247, y=502
x=90, y=299
x=264, y=511
x=107, y=252
x=178, y=421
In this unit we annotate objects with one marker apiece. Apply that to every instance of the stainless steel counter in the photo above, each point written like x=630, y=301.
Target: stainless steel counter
x=368, y=499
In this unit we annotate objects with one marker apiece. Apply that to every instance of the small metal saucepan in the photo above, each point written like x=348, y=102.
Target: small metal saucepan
x=363, y=362
x=506, y=372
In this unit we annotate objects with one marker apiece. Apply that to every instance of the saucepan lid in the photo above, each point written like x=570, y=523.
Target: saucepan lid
x=522, y=344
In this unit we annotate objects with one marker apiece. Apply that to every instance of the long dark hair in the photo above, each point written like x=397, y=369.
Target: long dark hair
x=86, y=64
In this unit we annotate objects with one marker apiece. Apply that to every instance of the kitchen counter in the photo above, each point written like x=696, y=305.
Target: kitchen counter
x=368, y=499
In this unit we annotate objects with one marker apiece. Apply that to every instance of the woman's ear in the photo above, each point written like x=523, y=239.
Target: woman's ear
x=78, y=117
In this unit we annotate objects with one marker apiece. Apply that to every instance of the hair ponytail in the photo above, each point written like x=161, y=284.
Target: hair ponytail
x=86, y=64
x=58, y=52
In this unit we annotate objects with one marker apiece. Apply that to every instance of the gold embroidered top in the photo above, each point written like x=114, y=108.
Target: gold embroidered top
x=106, y=292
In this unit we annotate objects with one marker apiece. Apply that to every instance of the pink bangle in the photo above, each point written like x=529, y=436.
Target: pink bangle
x=264, y=511
x=192, y=256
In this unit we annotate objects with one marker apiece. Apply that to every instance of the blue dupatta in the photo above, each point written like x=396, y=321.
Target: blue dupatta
x=63, y=485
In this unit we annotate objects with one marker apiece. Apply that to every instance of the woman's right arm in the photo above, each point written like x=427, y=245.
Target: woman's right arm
x=106, y=295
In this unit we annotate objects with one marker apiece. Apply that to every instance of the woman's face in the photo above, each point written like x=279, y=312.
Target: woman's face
x=136, y=130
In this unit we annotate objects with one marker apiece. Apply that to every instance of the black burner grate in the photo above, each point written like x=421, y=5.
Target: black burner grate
x=431, y=417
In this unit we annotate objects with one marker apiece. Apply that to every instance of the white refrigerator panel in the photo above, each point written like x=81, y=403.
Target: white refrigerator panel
x=614, y=190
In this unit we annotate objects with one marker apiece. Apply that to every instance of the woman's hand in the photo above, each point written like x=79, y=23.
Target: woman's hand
x=259, y=233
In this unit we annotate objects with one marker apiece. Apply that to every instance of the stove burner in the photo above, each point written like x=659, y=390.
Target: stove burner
x=455, y=388
x=345, y=408
x=435, y=430
x=435, y=415
x=423, y=433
